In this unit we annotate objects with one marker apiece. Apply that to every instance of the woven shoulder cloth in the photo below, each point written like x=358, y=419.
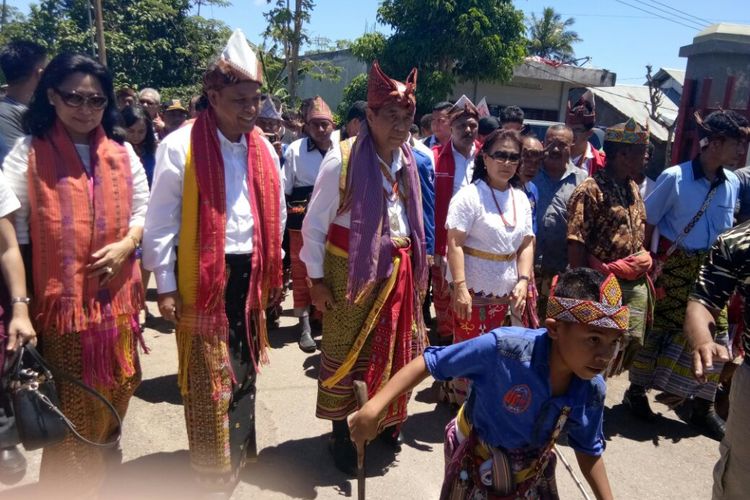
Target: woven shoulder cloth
x=346, y=151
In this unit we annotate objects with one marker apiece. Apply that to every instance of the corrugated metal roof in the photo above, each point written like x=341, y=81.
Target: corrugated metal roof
x=633, y=100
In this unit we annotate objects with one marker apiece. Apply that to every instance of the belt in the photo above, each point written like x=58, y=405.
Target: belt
x=495, y=257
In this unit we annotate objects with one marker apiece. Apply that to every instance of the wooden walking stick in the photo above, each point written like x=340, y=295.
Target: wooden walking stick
x=360, y=393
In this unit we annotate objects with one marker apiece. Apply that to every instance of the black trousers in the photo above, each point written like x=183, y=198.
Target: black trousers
x=242, y=406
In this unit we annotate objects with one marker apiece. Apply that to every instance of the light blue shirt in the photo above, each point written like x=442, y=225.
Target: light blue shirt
x=678, y=195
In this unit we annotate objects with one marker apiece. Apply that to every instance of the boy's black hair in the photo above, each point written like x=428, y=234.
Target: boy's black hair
x=581, y=283
x=426, y=121
x=18, y=60
x=357, y=110
x=511, y=114
x=414, y=129
x=442, y=106
x=487, y=125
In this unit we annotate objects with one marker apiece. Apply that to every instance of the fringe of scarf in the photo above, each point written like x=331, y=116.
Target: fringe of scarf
x=201, y=264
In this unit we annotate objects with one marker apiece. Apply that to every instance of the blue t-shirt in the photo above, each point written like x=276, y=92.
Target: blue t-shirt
x=511, y=404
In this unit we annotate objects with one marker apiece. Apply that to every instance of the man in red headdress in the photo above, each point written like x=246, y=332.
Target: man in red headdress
x=302, y=161
x=581, y=119
x=364, y=248
x=454, y=168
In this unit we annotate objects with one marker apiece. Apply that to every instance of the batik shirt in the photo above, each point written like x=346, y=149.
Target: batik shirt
x=727, y=268
x=511, y=404
x=607, y=218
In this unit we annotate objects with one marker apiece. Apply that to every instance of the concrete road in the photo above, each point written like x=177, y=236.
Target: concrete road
x=664, y=460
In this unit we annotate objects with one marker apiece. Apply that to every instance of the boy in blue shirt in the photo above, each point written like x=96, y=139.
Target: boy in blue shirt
x=527, y=385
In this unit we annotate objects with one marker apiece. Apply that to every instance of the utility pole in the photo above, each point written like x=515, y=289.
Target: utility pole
x=100, y=32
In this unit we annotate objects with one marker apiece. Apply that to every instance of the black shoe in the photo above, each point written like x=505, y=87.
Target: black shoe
x=344, y=455
x=638, y=404
x=391, y=438
x=12, y=465
x=711, y=423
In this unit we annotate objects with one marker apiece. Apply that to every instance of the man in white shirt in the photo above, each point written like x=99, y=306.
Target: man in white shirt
x=454, y=168
x=301, y=165
x=217, y=188
x=364, y=249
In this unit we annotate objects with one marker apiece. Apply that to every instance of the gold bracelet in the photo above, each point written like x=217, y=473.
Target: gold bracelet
x=135, y=241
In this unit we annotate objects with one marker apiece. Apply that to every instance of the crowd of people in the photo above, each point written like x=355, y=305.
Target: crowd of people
x=550, y=265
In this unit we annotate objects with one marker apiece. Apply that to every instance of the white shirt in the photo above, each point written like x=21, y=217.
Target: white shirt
x=464, y=168
x=162, y=229
x=302, y=161
x=324, y=204
x=588, y=156
x=473, y=212
x=8, y=201
x=16, y=166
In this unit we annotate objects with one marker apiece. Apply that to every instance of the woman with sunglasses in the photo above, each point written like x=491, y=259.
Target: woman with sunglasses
x=87, y=192
x=490, y=251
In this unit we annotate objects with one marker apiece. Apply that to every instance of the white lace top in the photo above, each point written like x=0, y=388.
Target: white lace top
x=472, y=211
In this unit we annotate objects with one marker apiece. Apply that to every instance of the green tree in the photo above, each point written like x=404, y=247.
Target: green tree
x=355, y=91
x=550, y=37
x=448, y=41
x=155, y=43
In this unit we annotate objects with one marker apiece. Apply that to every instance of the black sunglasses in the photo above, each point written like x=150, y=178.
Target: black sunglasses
x=76, y=100
x=503, y=156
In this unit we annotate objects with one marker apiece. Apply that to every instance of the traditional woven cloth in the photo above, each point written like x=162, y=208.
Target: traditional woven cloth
x=441, y=298
x=72, y=468
x=201, y=264
x=665, y=361
x=628, y=133
x=300, y=291
x=76, y=214
x=370, y=340
x=487, y=313
x=607, y=313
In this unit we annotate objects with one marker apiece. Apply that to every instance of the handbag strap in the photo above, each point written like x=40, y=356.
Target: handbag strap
x=690, y=225
x=49, y=370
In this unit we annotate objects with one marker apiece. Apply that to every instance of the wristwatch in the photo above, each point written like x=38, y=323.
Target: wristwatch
x=523, y=277
x=20, y=300
x=311, y=282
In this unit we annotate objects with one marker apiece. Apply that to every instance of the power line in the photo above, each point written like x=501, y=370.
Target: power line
x=669, y=12
x=682, y=12
x=657, y=15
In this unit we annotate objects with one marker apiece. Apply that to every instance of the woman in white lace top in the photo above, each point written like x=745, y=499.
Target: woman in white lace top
x=490, y=236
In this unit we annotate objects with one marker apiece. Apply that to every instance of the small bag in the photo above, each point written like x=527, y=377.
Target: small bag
x=36, y=404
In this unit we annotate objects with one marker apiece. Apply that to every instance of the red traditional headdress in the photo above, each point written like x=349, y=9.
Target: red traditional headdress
x=319, y=110
x=584, y=111
x=607, y=313
x=383, y=90
x=463, y=107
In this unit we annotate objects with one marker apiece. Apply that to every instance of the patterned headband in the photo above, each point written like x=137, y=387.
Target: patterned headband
x=607, y=313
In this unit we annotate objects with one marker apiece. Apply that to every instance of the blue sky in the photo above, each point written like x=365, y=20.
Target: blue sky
x=616, y=35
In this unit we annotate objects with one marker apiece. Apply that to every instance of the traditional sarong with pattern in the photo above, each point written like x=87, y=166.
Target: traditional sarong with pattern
x=203, y=332
x=370, y=339
x=487, y=313
x=532, y=469
x=441, y=298
x=300, y=291
x=638, y=294
x=86, y=329
x=665, y=361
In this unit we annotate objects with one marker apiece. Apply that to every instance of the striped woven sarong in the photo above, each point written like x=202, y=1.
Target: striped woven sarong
x=350, y=332
x=300, y=291
x=665, y=362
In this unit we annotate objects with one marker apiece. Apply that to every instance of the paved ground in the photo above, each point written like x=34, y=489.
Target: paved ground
x=666, y=460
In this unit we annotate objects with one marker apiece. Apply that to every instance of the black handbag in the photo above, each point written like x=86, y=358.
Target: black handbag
x=36, y=405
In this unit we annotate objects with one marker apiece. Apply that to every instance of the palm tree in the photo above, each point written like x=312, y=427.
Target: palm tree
x=550, y=38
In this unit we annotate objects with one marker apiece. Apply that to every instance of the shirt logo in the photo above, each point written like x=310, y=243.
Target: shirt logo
x=517, y=399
